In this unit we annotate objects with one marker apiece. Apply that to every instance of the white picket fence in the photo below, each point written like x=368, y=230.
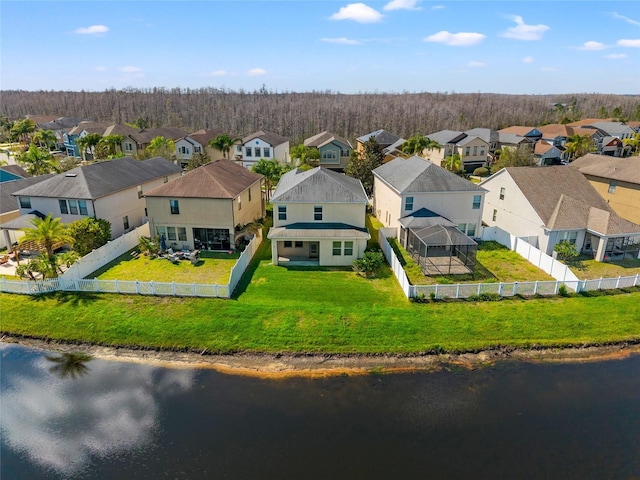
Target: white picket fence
x=504, y=289
x=135, y=287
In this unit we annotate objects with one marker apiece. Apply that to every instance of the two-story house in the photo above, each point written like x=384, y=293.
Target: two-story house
x=197, y=142
x=318, y=218
x=112, y=190
x=403, y=188
x=335, y=151
x=203, y=208
x=261, y=144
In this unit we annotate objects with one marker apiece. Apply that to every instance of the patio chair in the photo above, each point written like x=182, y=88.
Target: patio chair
x=4, y=259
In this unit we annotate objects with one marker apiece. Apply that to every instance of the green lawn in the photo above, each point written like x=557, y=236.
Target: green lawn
x=320, y=310
x=494, y=263
x=585, y=268
x=213, y=268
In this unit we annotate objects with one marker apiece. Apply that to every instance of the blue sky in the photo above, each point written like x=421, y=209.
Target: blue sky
x=517, y=47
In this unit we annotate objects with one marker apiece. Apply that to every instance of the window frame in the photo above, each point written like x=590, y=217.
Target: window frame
x=408, y=203
x=174, y=206
x=172, y=236
x=612, y=186
x=348, y=248
x=495, y=215
x=317, y=213
x=82, y=207
x=64, y=207
x=182, y=234
x=282, y=212
x=288, y=244
x=503, y=190
x=336, y=249
x=477, y=202
x=73, y=207
x=125, y=222
x=25, y=202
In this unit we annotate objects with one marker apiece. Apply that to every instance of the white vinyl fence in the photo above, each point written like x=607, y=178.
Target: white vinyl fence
x=504, y=289
x=134, y=287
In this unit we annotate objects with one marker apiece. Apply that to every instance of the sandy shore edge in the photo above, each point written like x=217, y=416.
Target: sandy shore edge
x=288, y=365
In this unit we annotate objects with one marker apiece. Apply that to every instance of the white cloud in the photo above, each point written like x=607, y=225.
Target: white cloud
x=341, y=41
x=616, y=56
x=254, y=72
x=473, y=64
x=591, y=45
x=626, y=19
x=100, y=69
x=358, y=12
x=130, y=69
x=92, y=30
x=401, y=5
x=462, y=39
x=437, y=7
x=215, y=73
x=522, y=31
x=635, y=43
x=528, y=59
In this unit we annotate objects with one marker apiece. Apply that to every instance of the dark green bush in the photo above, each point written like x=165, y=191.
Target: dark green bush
x=481, y=172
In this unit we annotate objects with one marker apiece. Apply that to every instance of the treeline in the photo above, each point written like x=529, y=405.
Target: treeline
x=299, y=115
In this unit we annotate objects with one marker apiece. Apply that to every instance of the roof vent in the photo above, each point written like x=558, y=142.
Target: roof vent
x=70, y=174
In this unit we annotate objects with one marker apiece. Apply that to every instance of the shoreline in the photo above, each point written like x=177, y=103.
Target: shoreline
x=315, y=365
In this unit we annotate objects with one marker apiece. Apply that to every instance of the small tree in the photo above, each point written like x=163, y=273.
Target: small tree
x=89, y=234
x=566, y=251
x=363, y=163
x=370, y=263
x=197, y=160
x=307, y=157
x=149, y=246
x=514, y=157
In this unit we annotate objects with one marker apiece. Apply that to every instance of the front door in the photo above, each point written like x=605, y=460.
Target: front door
x=313, y=249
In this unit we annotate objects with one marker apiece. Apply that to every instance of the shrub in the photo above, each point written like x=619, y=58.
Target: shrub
x=566, y=251
x=369, y=264
x=481, y=172
x=562, y=290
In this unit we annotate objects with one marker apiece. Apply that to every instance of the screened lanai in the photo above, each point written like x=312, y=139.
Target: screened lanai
x=441, y=250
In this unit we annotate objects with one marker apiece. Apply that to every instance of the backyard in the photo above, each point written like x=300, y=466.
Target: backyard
x=213, y=268
x=587, y=268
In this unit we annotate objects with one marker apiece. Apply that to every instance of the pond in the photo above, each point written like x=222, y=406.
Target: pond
x=69, y=418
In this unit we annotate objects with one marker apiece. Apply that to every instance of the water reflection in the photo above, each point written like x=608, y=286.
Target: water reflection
x=61, y=422
x=71, y=364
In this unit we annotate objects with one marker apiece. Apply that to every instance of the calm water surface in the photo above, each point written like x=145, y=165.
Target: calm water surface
x=511, y=421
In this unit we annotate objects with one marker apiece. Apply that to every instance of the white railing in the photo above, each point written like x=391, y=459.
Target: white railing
x=135, y=287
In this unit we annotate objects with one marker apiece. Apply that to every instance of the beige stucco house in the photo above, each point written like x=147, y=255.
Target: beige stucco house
x=318, y=218
x=203, y=208
x=545, y=206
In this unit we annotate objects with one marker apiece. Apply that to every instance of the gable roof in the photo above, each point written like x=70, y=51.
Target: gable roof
x=219, y=179
x=318, y=185
x=417, y=175
x=272, y=139
x=381, y=136
x=145, y=136
x=485, y=134
x=204, y=136
x=521, y=130
x=553, y=130
x=90, y=182
x=324, y=138
x=447, y=136
x=8, y=202
x=612, y=168
x=16, y=170
x=611, y=128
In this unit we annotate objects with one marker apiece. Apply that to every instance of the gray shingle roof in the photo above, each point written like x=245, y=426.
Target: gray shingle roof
x=318, y=185
x=446, y=136
x=97, y=180
x=9, y=203
x=417, y=175
x=613, y=168
x=324, y=138
x=381, y=136
x=485, y=134
x=318, y=230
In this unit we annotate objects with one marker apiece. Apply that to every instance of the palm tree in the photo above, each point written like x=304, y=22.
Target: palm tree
x=307, y=157
x=224, y=143
x=633, y=144
x=38, y=161
x=87, y=143
x=161, y=147
x=70, y=364
x=48, y=233
x=453, y=163
x=45, y=138
x=113, y=143
x=272, y=171
x=418, y=143
x=579, y=145
x=22, y=129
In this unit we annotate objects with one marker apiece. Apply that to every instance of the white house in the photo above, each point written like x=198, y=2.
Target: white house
x=318, y=218
x=546, y=206
x=403, y=187
x=197, y=142
x=112, y=190
x=261, y=144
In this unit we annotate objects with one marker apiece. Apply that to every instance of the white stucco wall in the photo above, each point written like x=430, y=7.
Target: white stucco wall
x=349, y=213
x=279, y=152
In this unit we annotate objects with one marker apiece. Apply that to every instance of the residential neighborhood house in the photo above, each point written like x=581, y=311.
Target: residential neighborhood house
x=318, y=218
x=197, y=142
x=262, y=144
x=335, y=151
x=202, y=209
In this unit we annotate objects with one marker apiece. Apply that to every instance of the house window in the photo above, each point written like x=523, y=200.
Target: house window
x=477, y=199
x=612, y=186
x=139, y=191
x=266, y=152
x=471, y=230
x=175, y=207
x=171, y=234
x=317, y=213
x=344, y=153
x=73, y=207
x=570, y=237
x=82, y=206
x=249, y=194
x=248, y=151
x=197, y=149
x=495, y=215
x=408, y=203
x=502, y=189
x=462, y=227
x=125, y=222
x=128, y=147
x=298, y=244
x=337, y=249
x=162, y=231
x=467, y=151
x=288, y=243
x=348, y=248
x=25, y=202
x=182, y=234
x=256, y=152
x=282, y=212
x=239, y=149
x=239, y=203
x=63, y=207
x=475, y=150
x=482, y=151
